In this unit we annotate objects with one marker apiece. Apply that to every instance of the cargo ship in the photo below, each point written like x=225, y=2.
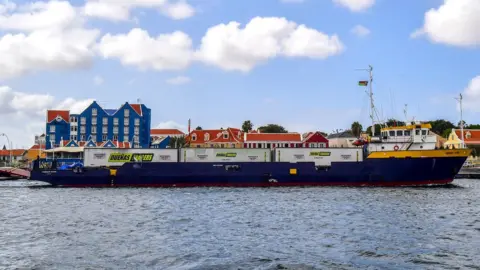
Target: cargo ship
x=193, y=167
x=399, y=156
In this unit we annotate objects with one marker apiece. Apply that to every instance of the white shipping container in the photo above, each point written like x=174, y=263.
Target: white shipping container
x=321, y=156
x=95, y=157
x=224, y=155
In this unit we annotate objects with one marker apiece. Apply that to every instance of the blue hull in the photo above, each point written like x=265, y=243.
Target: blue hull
x=371, y=172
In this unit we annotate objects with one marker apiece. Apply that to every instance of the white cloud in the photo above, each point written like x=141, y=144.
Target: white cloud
x=98, y=80
x=471, y=99
x=178, y=11
x=360, y=31
x=456, y=22
x=55, y=39
x=164, y=52
x=115, y=10
x=22, y=115
x=232, y=48
x=356, y=5
x=172, y=125
x=179, y=80
x=7, y=6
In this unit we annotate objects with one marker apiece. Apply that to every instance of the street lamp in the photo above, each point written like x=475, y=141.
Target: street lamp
x=9, y=146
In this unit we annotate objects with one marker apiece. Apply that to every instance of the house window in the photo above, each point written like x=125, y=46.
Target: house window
x=73, y=119
x=135, y=139
x=82, y=138
x=73, y=137
x=104, y=138
x=137, y=130
x=137, y=122
x=194, y=137
x=225, y=135
x=52, y=128
x=115, y=121
x=222, y=145
x=73, y=128
x=115, y=130
x=83, y=120
x=52, y=137
x=115, y=137
x=104, y=130
x=94, y=120
x=125, y=130
x=125, y=121
x=82, y=129
x=126, y=112
x=94, y=129
x=207, y=137
x=233, y=145
x=105, y=121
x=94, y=111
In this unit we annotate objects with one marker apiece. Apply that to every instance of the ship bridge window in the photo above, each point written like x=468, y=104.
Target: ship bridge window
x=392, y=133
x=417, y=131
x=407, y=133
x=399, y=132
x=424, y=132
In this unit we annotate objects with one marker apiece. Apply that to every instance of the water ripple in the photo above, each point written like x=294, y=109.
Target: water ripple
x=223, y=228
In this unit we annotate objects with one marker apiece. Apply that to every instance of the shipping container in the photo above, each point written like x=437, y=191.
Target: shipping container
x=321, y=156
x=224, y=155
x=97, y=157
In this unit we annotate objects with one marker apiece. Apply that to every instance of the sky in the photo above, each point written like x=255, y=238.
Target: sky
x=296, y=63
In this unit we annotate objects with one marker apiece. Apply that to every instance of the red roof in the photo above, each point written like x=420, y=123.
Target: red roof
x=471, y=136
x=164, y=131
x=215, y=135
x=137, y=108
x=315, y=137
x=52, y=114
x=37, y=147
x=276, y=137
x=15, y=152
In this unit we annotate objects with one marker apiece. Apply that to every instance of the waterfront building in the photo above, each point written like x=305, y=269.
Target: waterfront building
x=314, y=140
x=98, y=127
x=15, y=154
x=160, y=138
x=342, y=139
x=272, y=140
x=218, y=138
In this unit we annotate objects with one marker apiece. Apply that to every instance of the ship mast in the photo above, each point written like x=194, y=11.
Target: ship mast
x=370, y=95
x=461, y=118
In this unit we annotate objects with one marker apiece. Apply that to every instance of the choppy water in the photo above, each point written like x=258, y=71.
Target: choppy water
x=224, y=228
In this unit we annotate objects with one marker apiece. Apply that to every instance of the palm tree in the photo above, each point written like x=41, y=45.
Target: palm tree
x=357, y=129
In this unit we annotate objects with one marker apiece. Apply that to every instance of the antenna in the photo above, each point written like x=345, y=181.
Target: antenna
x=405, y=113
x=460, y=98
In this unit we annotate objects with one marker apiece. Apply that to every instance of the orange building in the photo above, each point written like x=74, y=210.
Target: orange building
x=221, y=138
x=34, y=151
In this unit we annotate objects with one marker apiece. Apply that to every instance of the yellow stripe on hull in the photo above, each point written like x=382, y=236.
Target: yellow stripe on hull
x=422, y=153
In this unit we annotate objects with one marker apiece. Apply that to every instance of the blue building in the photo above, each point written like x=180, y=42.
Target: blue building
x=128, y=126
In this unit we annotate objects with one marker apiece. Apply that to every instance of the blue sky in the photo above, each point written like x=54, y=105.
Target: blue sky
x=303, y=93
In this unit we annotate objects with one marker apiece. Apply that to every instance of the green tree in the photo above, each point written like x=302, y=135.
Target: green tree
x=247, y=126
x=464, y=124
x=272, y=128
x=199, y=128
x=394, y=122
x=177, y=142
x=446, y=132
x=441, y=126
x=475, y=126
x=324, y=134
x=377, y=130
x=356, y=129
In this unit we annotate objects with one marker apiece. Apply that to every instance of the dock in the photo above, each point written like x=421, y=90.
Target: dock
x=469, y=172
x=14, y=173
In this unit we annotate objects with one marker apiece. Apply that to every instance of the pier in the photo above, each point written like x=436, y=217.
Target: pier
x=469, y=173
